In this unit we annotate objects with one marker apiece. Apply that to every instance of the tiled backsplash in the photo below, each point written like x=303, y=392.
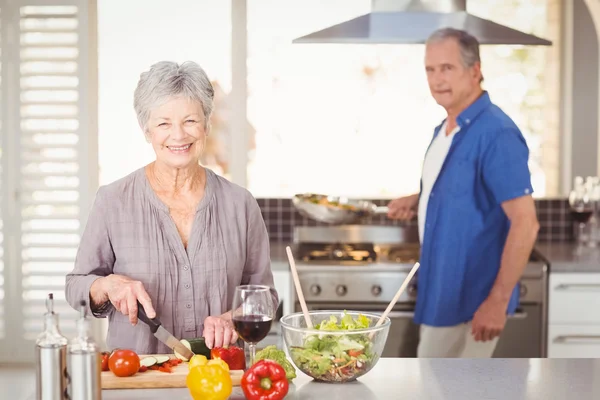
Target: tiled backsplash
x=281, y=216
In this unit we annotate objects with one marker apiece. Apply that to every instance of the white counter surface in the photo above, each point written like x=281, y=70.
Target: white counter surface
x=431, y=379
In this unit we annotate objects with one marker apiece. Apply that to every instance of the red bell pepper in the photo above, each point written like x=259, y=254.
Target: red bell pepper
x=265, y=380
x=233, y=356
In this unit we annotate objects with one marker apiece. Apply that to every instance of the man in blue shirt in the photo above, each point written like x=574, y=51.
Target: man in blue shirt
x=477, y=219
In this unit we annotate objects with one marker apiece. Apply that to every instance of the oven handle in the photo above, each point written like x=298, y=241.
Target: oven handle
x=519, y=314
x=401, y=314
x=411, y=314
x=578, y=286
x=577, y=339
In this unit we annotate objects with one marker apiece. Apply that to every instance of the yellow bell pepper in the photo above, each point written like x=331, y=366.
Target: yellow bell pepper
x=218, y=361
x=209, y=382
x=197, y=359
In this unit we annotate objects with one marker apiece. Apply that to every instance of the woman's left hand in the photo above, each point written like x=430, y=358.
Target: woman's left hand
x=219, y=331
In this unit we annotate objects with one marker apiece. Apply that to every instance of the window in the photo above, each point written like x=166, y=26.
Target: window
x=45, y=134
x=133, y=35
x=355, y=120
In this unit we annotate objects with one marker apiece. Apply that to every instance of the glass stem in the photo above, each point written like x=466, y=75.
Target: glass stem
x=252, y=353
x=581, y=233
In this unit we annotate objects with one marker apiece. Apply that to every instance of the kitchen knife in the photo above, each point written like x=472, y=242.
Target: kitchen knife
x=162, y=334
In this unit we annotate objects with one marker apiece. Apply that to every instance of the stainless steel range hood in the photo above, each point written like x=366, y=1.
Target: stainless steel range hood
x=412, y=21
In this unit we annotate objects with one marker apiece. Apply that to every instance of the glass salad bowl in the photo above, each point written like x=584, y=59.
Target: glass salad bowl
x=341, y=346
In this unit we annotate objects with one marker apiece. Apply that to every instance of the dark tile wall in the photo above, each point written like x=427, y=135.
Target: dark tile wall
x=281, y=217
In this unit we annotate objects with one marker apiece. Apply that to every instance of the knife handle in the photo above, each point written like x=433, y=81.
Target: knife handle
x=153, y=323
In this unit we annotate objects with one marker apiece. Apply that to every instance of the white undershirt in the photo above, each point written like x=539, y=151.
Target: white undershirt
x=431, y=168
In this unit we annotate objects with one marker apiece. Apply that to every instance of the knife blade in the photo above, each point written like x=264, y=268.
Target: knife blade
x=162, y=334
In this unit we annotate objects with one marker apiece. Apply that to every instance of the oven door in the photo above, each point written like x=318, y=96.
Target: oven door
x=403, y=337
x=523, y=334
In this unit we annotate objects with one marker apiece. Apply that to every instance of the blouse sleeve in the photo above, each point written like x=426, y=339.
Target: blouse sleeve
x=95, y=258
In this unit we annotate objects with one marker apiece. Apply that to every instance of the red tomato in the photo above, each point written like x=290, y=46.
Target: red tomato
x=124, y=363
x=105, y=356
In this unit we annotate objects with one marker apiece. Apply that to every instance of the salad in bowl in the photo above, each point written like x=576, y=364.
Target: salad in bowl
x=341, y=346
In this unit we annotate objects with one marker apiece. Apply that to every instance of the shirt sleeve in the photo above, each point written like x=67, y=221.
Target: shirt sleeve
x=95, y=258
x=505, y=170
x=257, y=269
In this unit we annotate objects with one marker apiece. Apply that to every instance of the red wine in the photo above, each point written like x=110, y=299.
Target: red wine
x=252, y=328
x=581, y=216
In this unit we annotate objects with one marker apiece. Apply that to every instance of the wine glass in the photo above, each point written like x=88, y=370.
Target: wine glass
x=253, y=314
x=581, y=209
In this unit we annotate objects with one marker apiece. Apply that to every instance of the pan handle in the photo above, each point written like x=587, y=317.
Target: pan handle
x=381, y=210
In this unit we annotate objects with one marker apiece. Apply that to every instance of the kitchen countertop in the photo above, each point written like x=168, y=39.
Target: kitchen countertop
x=431, y=379
x=564, y=257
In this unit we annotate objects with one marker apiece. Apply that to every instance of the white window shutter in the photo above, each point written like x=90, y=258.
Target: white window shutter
x=2, y=273
x=47, y=186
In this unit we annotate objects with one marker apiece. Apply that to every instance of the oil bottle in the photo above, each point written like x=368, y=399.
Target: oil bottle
x=84, y=362
x=51, y=358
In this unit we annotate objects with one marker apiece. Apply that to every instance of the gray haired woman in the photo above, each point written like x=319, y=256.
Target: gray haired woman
x=172, y=234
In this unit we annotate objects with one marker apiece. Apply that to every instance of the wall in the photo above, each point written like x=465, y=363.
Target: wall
x=584, y=151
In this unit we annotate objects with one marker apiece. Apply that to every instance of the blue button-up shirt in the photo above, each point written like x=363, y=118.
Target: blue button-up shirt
x=466, y=228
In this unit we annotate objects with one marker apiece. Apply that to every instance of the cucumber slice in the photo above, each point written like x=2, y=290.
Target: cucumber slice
x=162, y=359
x=186, y=344
x=148, y=361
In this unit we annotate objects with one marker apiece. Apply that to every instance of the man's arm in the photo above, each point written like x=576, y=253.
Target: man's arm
x=506, y=175
x=521, y=238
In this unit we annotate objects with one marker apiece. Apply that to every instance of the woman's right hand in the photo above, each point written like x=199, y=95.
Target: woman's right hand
x=404, y=208
x=123, y=292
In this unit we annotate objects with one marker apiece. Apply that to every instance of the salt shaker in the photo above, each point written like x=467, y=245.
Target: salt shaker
x=51, y=358
x=84, y=362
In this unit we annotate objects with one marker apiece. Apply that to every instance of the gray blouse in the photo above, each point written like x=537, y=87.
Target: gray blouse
x=130, y=232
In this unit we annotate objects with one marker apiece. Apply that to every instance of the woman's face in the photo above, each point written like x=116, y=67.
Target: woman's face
x=177, y=132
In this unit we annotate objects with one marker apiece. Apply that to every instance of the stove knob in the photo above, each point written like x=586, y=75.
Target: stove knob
x=315, y=290
x=412, y=290
x=523, y=291
x=376, y=290
x=341, y=290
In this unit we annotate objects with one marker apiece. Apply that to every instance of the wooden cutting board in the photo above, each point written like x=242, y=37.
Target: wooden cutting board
x=157, y=379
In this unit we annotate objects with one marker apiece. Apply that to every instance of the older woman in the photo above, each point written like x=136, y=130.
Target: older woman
x=172, y=234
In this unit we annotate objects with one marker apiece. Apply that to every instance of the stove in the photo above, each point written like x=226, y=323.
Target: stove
x=361, y=267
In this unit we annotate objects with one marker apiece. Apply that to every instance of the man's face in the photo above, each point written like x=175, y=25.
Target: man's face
x=451, y=83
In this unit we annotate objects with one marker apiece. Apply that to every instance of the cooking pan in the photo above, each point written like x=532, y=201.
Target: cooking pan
x=334, y=209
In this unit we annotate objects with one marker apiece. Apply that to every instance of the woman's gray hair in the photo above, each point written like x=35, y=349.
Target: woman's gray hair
x=469, y=45
x=167, y=79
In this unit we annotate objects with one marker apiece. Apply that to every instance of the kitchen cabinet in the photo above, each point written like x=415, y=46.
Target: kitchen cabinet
x=574, y=315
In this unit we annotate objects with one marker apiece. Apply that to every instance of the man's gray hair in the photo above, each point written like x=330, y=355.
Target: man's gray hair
x=469, y=45
x=167, y=79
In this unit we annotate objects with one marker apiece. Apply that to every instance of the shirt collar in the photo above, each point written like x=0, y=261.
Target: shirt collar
x=471, y=112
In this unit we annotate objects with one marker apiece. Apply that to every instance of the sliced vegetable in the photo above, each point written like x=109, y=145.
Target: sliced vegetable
x=148, y=361
x=162, y=359
x=209, y=382
x=265, y=380
x=186, y=344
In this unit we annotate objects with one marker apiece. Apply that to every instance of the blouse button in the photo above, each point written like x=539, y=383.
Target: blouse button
x=185, y=267
x=187, y=285
x=188, y=305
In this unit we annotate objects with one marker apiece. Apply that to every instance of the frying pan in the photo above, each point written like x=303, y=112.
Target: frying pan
x=334, y=209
